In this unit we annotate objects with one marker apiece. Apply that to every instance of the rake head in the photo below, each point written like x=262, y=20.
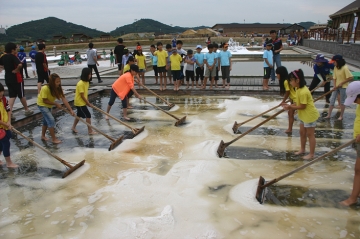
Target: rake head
x=116, y=143
x=72, y=169
x=180, y=121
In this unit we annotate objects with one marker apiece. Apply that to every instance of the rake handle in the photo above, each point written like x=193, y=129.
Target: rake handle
x=41, y=147
x=161, y=109
x=152, y=92
x=91, y=126
x=114, y=118
x=307, y=165
x=268, y=119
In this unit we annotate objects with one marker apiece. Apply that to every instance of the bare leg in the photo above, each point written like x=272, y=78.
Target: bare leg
x=43, y=132
x=24, y=103
x=223, y=86
x=39, y=87
x=9, y=163
x=291, y=121
x=302, y=139
x=331, y=107
x=125, y=112
x=90, y=130
x=205, y=81
x=356, y=186
x=107, y=111
x=310, y=133
x=212, y=82
x=53, y=137
x=342, y=110
x=11, y=103
x=76, y=121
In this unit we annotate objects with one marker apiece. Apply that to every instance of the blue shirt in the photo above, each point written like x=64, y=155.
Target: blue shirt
x=32, y=54
x=224, y=57
x=154, y=60
x=173, y=42
x=216, y=57
x=125, y=58
x=22, y=57
x=269, y=56
x=210, y=58
x=200, y=58
x=323, y=70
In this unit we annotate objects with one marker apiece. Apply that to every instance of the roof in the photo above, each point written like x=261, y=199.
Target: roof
x=105, y=35
x=352, y=7
x=251, y=25
x=295, y=24
x=59, y=37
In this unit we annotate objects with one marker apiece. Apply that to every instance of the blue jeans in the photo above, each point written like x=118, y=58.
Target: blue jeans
x=48, y=118
x=277, y=61
x=5, y=144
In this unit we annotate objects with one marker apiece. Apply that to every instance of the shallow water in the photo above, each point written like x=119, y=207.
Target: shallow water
x=168, y=182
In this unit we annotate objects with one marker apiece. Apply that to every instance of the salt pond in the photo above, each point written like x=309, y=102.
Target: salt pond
x=169, y=183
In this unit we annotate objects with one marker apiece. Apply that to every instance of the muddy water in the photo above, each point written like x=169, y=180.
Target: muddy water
x=168, y=182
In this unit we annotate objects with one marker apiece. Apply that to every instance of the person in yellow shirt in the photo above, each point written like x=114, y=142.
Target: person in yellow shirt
x=287, y=91
x=175, y=64
x=81, y=100
x=308, y=114
x=46, y=100
x=342, y=76
x=5, y=126
x=353, y=96
x=162, y=56
x=141, y=62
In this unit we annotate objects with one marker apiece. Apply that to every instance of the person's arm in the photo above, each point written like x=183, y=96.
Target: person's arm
x=82, y=95
x=294, y=106
x=145, y=63
x=230, y=63
x=136, y=93
x=280, y=49
x=267, y=62
x=95, y=58
x=18, y=68
x=286, y=96
x=66, y=103
x=8, y=123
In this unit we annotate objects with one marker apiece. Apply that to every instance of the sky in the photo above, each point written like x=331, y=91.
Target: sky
x=106, y=15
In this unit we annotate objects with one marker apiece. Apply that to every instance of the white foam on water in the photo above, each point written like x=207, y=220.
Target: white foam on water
x=130, y=144
x=228, y=128
x=175, y=108
x=208, y=149
x=245, y=192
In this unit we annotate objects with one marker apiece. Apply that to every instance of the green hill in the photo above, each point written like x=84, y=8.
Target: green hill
x=307, y=25
x=45, y=29
x=149, y=25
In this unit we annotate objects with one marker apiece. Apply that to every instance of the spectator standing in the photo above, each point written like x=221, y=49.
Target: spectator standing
x=276, y=49
x=92, y=61
x=119, y=52
x=32, y=55
x=22, y=57
x=42, y=68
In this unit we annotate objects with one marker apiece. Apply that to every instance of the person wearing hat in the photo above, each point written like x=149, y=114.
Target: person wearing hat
x=342, y=77
x=322, y=74
x=124, y=88
x=189, y=68
x=353, y=96
x=22, y=57
x=199, y=68
x=32, y=55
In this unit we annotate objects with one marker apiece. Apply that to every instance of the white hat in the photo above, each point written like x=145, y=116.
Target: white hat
x=198, y=46
x=352, y=91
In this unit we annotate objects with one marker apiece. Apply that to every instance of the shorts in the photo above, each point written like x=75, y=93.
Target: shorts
x=48, y=118
x=33, y=66
x=308, y=125
x=342, y=92
x=161, y=69
x=113, y=96
x=119, y=66
x=169, y=73
x=267, y=72
x=211, y=73
x=16, y=90
x=43, y=77
x=142, y=70
x=190, y=74
x=83, y=112
x=155, y=70
x=176, y=75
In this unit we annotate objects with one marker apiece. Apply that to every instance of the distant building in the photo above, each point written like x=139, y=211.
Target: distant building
x=292, y=28
x=247, y=28
x=2, y=30
x=347, y=15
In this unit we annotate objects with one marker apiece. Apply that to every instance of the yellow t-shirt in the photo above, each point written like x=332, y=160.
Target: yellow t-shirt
x=81, y=87
x=45, y=94
x=140, y=61
x=175, y=61
x=126, y=68
x=341, y=75
x=357, y=121
x=288, y=87
x=304, y=97
x=4, y=114
x=161, y=55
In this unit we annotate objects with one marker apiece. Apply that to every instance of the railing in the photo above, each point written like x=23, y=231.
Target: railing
x=340, y=36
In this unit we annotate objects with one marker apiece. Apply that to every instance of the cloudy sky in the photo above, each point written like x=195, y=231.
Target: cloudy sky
x=106, y=15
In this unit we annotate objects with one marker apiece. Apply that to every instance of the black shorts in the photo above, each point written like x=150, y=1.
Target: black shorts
x=161, y=69
x=43, y=77
x=267, y=72
x=155, y=68
x=119, y=66
x=176, y=75
x=83, y=112
x=190, y=74
x=16, y=90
